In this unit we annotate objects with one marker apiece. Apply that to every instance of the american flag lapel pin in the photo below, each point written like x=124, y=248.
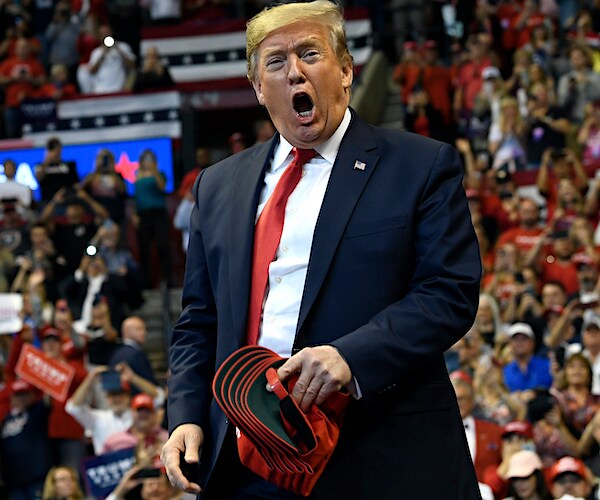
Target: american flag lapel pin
x=359, y=165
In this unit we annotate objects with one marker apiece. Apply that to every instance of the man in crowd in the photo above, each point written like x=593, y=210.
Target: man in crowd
x=54, y=173
x=131, y=351
x=118, y=417
x=528, y=232
x=390, y=207
x=483, y=437
x=569, y=476
x=526, y=372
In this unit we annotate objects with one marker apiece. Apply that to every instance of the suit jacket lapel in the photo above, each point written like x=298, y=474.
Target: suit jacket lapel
x=348, y=179
x=247, y=185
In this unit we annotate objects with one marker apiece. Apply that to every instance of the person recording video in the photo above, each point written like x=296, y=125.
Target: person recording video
x=107, y=186
x=109, y=67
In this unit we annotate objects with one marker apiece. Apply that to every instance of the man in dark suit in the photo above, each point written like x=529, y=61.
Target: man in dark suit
x=376, y=274
x=131, y=351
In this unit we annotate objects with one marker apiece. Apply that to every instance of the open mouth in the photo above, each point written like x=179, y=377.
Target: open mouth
x=303, y=104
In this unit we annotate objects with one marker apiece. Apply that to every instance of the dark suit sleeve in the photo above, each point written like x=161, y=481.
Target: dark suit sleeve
x=405, y=338
x=193, y=340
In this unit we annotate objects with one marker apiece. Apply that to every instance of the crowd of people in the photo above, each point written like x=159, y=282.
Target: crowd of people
x=64, y=254
x=518, y=94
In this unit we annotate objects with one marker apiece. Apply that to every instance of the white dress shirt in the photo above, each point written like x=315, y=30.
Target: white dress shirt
x=287, y=273
x=469, y=424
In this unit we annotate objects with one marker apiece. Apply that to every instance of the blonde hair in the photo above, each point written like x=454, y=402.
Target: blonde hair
x=49, y=491
x=507, y=102
x=273, y=18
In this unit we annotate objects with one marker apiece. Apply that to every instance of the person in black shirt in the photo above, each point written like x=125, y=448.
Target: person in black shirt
x=54, y=173
x=547, y=126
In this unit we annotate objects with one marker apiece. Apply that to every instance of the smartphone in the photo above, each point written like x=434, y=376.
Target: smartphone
x=111, y=381
x=146, y=473
x=588, y=305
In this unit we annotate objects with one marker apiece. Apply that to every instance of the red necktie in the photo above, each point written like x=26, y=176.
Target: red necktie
x=267, y=234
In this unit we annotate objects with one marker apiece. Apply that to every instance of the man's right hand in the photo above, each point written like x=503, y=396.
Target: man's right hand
x=185, y=441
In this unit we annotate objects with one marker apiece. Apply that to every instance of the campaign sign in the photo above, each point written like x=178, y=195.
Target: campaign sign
x=52, y=376
x=103, y=473
x=10, y=307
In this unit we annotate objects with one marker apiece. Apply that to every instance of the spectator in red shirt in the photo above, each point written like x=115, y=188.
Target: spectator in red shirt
x=528, y=232
x=21, y=76
x=202, y=161
x=483, y=437
x=516, y=436
x=557, y=265
x=469, y=80
x=558, y=165
x=429, y=75
x=526, y=23
x=58, y=87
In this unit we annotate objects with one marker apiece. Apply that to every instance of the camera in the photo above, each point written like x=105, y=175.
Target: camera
x=109, y=41
x=95, y=332
x=111, y=381
x=91, y=250
x=147, y=473
x=104, y=163
x=557, y=155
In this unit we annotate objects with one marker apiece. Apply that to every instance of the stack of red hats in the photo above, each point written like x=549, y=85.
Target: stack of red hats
x=276, y=439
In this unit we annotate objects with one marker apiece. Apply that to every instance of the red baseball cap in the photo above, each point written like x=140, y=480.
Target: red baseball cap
x=49, y=332
x=142, y=401
x=20, y=386
x=276, y=439
x=567, y=464
x=582, y=259
x=518, y=427
x=462, y=375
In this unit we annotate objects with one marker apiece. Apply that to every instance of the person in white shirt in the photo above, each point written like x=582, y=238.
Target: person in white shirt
x=101, y=423
x=11, y=188
x=109, y=66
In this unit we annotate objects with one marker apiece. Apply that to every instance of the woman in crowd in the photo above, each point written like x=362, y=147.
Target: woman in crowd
x=551, y=436
x=492, y=397
x=588, y=136
x=526, y=478
x=578, y=405
x=107, y=186
x=62, y=483
x=506, y=139
x=488, y=320
x=151, y=218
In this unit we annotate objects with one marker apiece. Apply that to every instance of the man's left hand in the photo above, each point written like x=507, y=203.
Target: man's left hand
x=322, y=370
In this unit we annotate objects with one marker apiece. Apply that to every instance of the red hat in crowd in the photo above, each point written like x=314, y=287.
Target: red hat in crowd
x=20, y=386
x=142, y=401
x=567, y=464
x=62, y=305
x=430, y=45
x=275, y=438
x=49, y=332
x=553, y=309
x=472, y=194
x=461, y=375
x=582, y=259
x=409, y=45
x=523, y=429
